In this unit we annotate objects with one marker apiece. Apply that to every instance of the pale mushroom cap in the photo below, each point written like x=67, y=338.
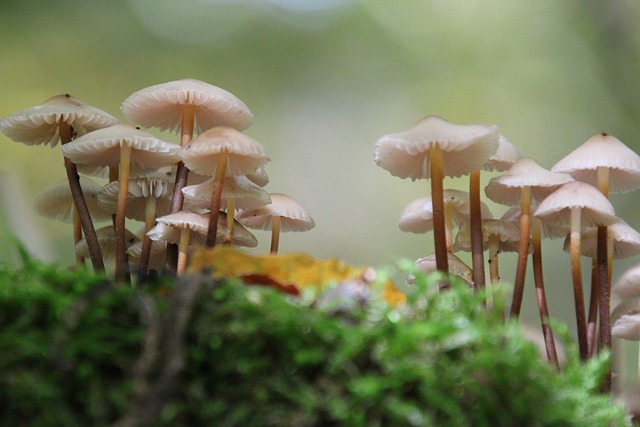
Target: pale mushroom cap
x=138, y=191
x=595, y=208
x=466, y=148
x=626, y=320
x=417, y=216
x=626, y=240
x=504, y=230
x=246, y=154
x=56, y=202
x=259, y=177
x=506, y=155
x=603, y=150
x=628, y=285
x=239, y=188
x=157, y=260
x=103, y=147
x=161, y=105
x=457, y=267
x=293, y=216
x=107, y=242
x=39, y=124
x=525, y=172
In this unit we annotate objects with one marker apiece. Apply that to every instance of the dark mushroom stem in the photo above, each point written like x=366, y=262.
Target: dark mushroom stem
x=437, y=197
x=475, y=222
x=547, y=333
x=91, y=238
x=575, y=252
x=216, y=199
x=523, y=251
x=604, y=256
x=182, y=174
x=149, y=222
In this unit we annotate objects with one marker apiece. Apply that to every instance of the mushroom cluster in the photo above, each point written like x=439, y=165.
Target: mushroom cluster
x=200, y=192
x=570, y=200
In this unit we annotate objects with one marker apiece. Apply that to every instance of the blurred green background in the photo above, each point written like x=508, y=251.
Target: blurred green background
x=325, y=79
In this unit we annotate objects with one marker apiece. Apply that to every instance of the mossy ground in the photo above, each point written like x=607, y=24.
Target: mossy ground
x=78, y=350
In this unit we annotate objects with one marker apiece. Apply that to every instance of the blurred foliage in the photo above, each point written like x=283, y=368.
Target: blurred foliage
x=80, y=351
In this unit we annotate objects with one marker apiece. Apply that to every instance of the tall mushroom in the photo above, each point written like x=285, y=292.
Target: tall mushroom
x=433, y=149
x=281, y=215
x=125, y=146
x=577, y=205
x=219, y=152
x=62, y=118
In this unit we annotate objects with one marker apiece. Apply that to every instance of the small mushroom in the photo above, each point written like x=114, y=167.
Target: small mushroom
x=628, y=285
x=458, y=268
x=282, y=214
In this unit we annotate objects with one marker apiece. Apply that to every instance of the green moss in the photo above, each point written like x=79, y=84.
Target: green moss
x=79, y=351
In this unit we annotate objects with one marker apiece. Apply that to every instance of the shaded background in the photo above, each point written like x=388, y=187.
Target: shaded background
x=325, y=79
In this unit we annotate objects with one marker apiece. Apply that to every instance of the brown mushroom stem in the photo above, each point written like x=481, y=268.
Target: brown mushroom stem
x=604, y=298
x=77, y=235
x=575, y=252
x=231, y=209
x=448, y=225
x=183, y=250
x=523, y=251
x=114, y=172
x=592, y=316
x=275, y=234
x=475, y=222
x=437, y=197
x=80, y=203
x=122, y=261
x=216, y=198
x=149, y=222
x=536, y=256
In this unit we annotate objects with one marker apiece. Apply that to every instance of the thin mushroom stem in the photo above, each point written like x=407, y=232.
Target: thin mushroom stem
x=122, y=261
x=216, y=198
x=494, y=274
x=149, y=222
x=183, y=250
x=448, y=222
x=77, y=234
x=182, y=174
x=592, y=316
x=437, y=198
x=275, y=234
x=475, y=222
x=550, y=344
x=81, y=205
x=575, y=252
x=114, y=172
x=604, y=298
x=523, y=251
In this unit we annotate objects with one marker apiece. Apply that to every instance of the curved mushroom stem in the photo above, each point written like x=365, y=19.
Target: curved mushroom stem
x=604, y=298
x=182, y=174
x=231, y=210
x=550, y=344
x=122, y=261
x=183, y=250
x=95, y=253
x=475, y=222
x=149, y=222
x=216, y=199
x=575, y=251
x=275, y=234
x=523, y=250
x=437, y=198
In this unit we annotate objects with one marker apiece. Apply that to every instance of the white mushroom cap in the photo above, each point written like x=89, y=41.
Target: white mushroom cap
x=525, y=172
x=506, y=155
x=103, y=147
x=628, y=285
x=625, y=239
x=626, y=320
x=466, y=148
x=39, y=124
x=506, y=231
x=107, y=242
x=293, y=216
x=259, y=177
x=161, y=105
x=138, y=191
x=457, y=267
x=246, y=194
x=603, y=150
x=56, y=202
x=246, y=154
x=417, y=216
x=596, y=210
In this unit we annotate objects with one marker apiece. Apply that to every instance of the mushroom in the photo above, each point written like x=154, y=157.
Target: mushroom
x=628, y=285
x=107, y=240
x=282, y=214
x=457, y=268
x=125, y=146
x=577, y=205
x=626, y=323
x=433, y=149
x=61, y=118
x=56, y=202
x=219, y=152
